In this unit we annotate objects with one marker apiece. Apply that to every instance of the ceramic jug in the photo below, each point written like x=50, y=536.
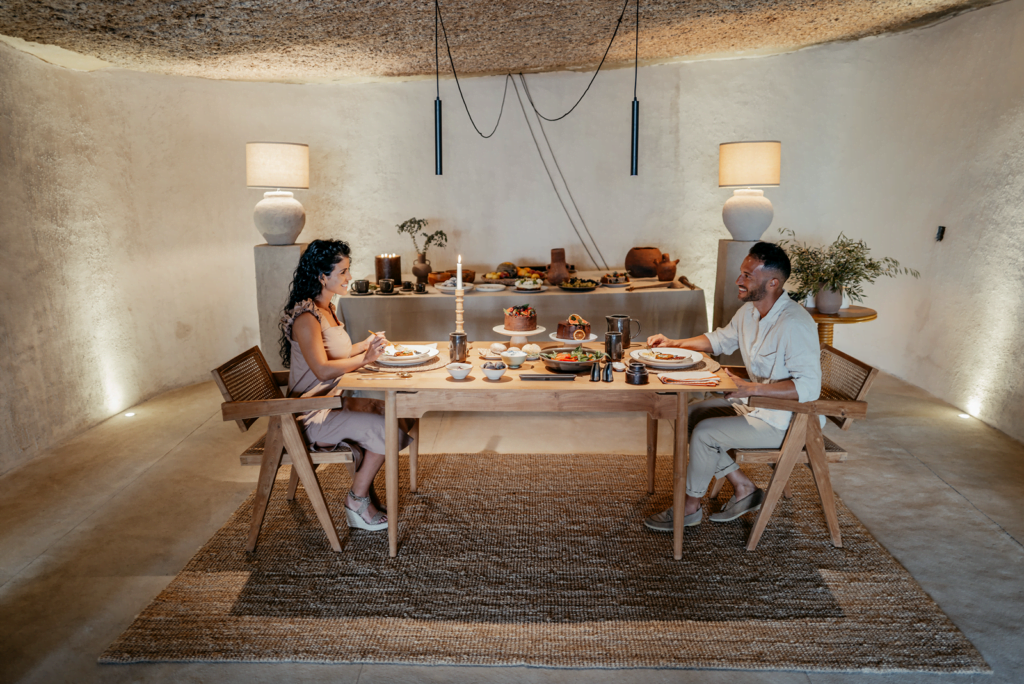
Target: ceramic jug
x=421, y=268
x=667, y=269
x=558, y=270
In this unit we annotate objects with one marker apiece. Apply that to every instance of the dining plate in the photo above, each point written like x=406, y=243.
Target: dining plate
x=451, y=290
x=684, y=358
x=542, y=288
x=626, y=284
x=490, y=287
x=554, y=336
x=423, y=352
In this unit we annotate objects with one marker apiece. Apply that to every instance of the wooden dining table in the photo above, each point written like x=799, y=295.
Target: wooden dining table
x=436, y=390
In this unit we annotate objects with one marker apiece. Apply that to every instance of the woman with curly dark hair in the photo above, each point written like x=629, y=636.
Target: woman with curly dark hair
x=317, y=351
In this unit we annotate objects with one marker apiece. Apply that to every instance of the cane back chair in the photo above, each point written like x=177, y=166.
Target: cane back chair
x=845, y=382
x=251, y=391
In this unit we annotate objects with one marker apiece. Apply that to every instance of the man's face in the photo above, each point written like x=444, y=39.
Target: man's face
x=753, y=280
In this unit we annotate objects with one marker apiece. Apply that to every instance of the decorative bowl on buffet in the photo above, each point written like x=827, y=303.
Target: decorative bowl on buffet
x=448, y=286
x=578, y=285
x=667, y=357
x=571, y=359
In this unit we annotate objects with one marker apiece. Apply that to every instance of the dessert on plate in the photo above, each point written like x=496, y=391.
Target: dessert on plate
x=529, y=283
x=520, y=318
x=615, y=278
x=573, y=328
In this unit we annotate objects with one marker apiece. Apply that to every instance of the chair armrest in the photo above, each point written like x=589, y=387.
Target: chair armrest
x=821, y=407
x=240, y=410
x=739, y=371
x=281, y=377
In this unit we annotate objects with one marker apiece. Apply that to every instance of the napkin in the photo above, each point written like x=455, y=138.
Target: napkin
x=694, y=378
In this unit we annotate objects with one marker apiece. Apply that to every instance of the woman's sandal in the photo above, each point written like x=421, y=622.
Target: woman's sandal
x=355, y=517
x=357, y=461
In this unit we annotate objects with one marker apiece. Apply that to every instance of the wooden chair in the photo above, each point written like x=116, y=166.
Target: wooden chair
x=845, y=382
x=251, y=390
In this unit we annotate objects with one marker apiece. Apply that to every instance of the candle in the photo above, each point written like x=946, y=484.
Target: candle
x=458, y=274
x=388, y=266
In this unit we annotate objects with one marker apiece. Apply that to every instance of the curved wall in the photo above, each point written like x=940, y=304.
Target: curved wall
x=127, y=263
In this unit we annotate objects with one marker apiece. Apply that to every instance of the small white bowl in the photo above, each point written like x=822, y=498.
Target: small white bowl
x=459, y=371
x=493, y=374
x=513, y=358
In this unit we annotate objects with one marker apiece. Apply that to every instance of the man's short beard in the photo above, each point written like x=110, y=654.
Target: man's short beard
x=757, y=294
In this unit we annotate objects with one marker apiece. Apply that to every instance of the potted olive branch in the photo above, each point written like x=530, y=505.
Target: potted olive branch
x=414, y=228
x=826, y=272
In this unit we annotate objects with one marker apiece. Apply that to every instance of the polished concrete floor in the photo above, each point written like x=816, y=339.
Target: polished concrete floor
x=91, y=531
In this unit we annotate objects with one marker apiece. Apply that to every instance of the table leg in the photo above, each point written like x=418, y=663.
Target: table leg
x=825, y=334
x=652, y=451
x=414, y=454
x=391, y=467
x=680, y=460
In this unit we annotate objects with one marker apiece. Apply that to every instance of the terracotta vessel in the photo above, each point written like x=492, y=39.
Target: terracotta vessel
x=642, y=262
x=421, y=268
x=558, y=270
x=667, y=269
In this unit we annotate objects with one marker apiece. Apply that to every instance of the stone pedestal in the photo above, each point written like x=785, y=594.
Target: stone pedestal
x=731, y=254
x=275, y=267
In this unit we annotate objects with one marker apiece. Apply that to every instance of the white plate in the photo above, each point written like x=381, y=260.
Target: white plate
x=542, y=288
x=423, y=353
x=490, y=287
x=554, y=336
x=451, y=290
x=616, y=284
x=686, y=358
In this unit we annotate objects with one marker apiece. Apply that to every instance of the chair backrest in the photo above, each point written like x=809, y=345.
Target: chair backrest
x=247, y=377
x=844, y=378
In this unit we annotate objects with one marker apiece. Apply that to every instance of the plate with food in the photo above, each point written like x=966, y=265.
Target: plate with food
x=448, y=286
x=530, y=285
x=667, y=357
x=578, y=285
x=406, y=354
x=571, y=359
x=615, y=279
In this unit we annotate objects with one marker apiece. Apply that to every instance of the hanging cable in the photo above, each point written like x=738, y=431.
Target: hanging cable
x=572, y=199
x=551, y=178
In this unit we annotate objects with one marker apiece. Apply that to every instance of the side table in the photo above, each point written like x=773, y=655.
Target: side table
x=854, y=314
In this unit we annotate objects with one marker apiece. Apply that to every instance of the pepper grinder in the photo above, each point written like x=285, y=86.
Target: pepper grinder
x=607, y=372
x=595, y=372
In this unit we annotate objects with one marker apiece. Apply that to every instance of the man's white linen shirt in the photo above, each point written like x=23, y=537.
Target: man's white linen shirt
x=781, y=346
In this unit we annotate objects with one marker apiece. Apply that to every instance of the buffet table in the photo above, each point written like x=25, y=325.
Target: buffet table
x=436, y=390
x=676, y=313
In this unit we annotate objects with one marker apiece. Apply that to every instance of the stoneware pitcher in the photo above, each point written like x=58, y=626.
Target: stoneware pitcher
x=667, y=269
x=558, y=270
x=421, y=268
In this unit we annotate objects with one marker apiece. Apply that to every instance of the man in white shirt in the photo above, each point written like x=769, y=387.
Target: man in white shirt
x=779, y=343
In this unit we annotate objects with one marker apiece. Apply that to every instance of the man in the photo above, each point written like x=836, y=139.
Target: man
x=779, y=344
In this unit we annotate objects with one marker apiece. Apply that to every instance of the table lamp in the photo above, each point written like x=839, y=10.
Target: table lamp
x=278, y=216
x=748, y=213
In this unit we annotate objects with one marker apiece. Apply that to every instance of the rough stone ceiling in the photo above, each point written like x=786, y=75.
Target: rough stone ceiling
x=326, y=40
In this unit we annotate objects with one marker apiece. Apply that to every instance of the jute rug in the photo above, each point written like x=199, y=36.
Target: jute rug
x=542, y=560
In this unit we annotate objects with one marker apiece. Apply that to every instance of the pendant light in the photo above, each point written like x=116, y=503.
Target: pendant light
x=437, y=101
x=635, y=136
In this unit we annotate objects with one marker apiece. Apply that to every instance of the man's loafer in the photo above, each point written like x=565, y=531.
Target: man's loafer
x=734, y=509
x=662, y=522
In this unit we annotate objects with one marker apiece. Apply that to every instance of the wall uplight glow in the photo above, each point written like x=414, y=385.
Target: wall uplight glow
x=974, y=406
x=129, y=414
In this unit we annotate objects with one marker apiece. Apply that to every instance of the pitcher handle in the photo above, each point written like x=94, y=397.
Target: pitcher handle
x=634, y=335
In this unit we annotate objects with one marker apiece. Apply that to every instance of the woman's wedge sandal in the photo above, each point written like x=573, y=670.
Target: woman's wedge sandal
x=355, y=517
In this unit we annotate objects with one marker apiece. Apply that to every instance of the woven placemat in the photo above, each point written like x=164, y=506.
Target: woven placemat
x=439, y=361
x=560, y=572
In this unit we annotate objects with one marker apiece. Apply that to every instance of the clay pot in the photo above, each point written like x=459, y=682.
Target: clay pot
x=421, y=268
x=558, y=270
x=667, y=269
x=642, y=262
x=828, y=301
x=436, y=277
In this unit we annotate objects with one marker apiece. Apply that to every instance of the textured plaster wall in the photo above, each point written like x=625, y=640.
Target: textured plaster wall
x=127, y=237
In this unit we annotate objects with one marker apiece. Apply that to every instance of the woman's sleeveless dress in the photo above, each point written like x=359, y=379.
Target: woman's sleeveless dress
x=330, y=426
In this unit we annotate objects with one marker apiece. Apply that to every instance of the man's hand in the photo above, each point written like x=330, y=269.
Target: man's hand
x=658, y=340
x=744, y=388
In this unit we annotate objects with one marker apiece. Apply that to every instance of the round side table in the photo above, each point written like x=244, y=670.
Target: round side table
x=854, y=314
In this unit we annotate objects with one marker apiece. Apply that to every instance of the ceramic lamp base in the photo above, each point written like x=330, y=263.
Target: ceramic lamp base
x=747, y=214
x=279, y=217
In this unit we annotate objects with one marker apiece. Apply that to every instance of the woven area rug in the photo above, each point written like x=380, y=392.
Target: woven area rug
x=542, y=560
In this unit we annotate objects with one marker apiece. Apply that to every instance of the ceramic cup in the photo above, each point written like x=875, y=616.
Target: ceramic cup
x=387, y=286
x=361, y=286
x=407, y=285
x=421, y=287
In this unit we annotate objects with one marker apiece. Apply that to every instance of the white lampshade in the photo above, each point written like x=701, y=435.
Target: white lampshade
x=745, y=164
x=277, y=165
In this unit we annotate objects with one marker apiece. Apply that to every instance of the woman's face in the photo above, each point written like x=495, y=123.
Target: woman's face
x=338, y=279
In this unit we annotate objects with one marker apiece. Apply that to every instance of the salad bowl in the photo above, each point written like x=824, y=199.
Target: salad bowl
x=577, y=359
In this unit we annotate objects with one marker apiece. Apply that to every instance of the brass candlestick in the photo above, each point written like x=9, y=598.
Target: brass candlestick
x=458, y=310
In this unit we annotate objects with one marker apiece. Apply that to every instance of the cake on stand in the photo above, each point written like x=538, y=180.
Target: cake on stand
x=518, y=336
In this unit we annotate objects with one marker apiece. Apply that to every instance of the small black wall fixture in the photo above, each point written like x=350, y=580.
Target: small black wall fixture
x=437, y=101
x=635, y=137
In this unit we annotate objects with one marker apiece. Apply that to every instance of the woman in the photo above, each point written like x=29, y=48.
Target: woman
x=317, y=351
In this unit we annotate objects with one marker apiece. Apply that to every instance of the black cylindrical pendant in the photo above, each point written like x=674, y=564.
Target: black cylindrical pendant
x=635, y=138
x=437, y=137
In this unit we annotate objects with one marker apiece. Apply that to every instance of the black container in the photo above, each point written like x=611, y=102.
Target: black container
x=637, y=374
x=595, y=372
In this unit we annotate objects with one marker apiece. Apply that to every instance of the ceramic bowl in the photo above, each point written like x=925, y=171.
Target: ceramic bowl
x=513, y=357
x=493, y=374
x=459, y=371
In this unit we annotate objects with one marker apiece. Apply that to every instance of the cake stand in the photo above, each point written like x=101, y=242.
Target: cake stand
x=518, y=336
